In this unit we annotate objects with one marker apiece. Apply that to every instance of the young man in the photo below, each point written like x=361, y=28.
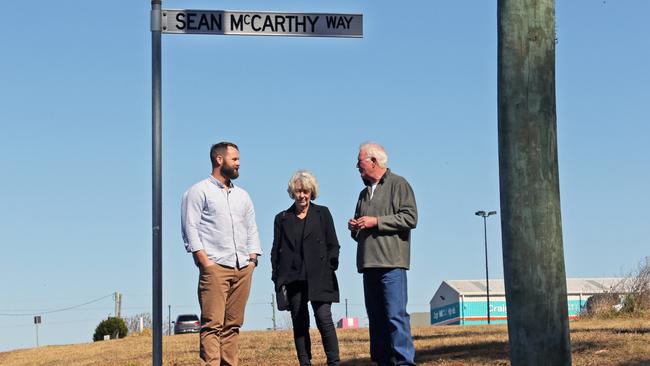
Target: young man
x=218, y=228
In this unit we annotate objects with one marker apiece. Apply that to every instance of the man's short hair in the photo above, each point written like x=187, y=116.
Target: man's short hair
x=376, y=151
x=306, y=180
x=220, y=149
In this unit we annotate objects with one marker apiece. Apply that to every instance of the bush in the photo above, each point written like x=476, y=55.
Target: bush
x=637, y=301
x=113, y=327
x=602, y=305
x=630, y=297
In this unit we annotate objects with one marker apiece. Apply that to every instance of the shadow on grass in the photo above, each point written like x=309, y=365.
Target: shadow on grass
x=484, y=351
x=644, y=362
x=613, y=330
x=488, y=351
x=357, y=362
x=585, y=347
x=466, y=334
x=632, y=331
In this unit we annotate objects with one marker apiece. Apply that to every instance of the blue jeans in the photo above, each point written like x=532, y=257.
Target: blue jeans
x=390, y=327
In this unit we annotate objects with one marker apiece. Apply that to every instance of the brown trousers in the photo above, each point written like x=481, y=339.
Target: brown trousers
x=223, y=293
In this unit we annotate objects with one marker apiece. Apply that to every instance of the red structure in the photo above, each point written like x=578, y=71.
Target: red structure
x=348, y=323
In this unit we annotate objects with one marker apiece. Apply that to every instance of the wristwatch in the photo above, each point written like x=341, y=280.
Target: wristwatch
x=254, y=260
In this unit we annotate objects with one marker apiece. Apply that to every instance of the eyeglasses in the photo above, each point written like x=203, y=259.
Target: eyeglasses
x=360, y=160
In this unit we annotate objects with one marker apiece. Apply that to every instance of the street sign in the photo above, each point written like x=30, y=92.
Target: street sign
x=223, y=22
x=37, y=319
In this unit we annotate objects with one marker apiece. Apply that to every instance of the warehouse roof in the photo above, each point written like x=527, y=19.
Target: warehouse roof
x=574, y=286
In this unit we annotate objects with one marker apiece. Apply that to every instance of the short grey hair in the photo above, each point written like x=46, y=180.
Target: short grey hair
x=374, y=150
x=306, y=180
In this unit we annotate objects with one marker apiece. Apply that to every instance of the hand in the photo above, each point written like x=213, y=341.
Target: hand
x=201, y=259
x=206, y=264
x=334, y=263
x=352, y=225
x=366, y=222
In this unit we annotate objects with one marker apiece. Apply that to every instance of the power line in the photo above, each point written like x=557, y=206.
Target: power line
x=49, y=323
x=58, y=310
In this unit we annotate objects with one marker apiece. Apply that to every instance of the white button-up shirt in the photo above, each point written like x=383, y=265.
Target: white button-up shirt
x=221, y=221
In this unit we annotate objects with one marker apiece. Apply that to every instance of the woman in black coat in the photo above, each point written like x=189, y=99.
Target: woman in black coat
x=304, y=257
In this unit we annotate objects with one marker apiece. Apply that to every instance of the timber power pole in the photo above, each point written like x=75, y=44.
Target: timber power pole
x=531, y=225
x=118, y=304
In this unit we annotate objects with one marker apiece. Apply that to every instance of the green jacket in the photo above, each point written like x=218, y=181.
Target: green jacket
x=388, y=245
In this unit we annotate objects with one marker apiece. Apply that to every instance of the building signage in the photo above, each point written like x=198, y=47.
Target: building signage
x=221, y=22
x=445, y=313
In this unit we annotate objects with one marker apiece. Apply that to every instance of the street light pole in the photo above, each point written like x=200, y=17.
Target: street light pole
x=485, y=215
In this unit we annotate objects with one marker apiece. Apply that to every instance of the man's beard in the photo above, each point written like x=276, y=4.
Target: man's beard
x=230, y=172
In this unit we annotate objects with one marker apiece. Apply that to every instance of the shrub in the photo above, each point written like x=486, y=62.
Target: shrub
x=637, y=286
x=630, y=297
x=601, y=305
x=113, y=327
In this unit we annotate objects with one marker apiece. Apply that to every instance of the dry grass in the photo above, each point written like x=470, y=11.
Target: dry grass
x=622, y=342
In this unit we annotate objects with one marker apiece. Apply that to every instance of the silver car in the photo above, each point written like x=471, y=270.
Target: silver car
x=187, y=323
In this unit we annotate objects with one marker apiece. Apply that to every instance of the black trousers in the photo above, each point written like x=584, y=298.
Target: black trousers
x=297, y=294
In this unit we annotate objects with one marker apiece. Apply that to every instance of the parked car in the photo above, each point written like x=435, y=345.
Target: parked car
x=187, y=323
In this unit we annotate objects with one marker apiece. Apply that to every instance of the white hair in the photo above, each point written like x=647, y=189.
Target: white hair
x=306, y=180
x=374, y=150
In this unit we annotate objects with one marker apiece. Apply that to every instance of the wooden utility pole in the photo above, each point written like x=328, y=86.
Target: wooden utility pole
x=531, y=225
x=118, y=304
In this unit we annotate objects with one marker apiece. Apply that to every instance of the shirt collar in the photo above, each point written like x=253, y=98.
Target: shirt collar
x=381, y=180
x=383, y=177
x=219, y=184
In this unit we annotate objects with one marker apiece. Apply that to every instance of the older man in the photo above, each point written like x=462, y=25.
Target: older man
x=218, y=227
x=384, y=217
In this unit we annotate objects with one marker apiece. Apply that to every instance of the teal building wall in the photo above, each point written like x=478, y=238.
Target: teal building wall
x=475, y=312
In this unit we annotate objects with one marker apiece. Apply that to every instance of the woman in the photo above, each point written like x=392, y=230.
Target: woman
x=304, y=257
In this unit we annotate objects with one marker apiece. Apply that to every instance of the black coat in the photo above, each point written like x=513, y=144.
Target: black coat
x=320, y=252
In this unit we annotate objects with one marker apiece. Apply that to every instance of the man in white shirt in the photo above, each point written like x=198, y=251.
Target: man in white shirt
x=218, y=228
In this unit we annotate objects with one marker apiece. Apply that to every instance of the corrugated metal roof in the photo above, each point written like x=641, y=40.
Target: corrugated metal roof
x=574, y=286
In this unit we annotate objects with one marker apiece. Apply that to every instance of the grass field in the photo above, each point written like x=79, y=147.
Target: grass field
x=594, y=342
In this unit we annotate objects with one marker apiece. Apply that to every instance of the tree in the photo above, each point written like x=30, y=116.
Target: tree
x=133, y=322
x=533, y=256
x=636, y=286
x=113, y=327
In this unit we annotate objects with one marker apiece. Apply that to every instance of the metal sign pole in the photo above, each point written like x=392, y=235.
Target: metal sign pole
x=156, y=118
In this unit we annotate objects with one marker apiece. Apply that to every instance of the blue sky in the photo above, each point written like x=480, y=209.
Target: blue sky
x=75, y=144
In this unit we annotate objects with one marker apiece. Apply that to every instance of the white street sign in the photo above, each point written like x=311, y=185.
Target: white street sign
x=222, y=22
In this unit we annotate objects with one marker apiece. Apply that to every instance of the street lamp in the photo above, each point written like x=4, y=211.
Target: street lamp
x=487, y=277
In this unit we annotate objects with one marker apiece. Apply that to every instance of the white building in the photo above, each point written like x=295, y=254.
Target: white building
x=464, y=302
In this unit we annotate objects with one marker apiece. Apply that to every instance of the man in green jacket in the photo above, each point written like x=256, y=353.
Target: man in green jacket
x=384, y=217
